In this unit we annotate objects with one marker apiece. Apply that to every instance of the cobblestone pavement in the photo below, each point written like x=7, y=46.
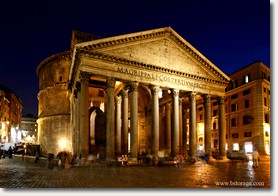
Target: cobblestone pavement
x=15, y=173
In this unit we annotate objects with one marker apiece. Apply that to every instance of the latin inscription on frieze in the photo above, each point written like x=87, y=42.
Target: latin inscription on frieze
x=161, y=77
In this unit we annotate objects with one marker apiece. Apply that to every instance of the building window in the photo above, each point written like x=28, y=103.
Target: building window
x=246, y=103
x=247, y=134
x=214, y=125
x=246, y=120
x=214, y=113
x=235, y=135
x=236, y=146
x=246, y=92
x=233, y=122
x=214, y=103
x=60, y=79
x=263, y=75
x=265, y=90
x=200, y=139
x=201, y=117
x=246, y=79
x=235, y=84
x=265, y=103
x=234, y=107
x=215, y=143
x=266, y=134
x=266, y=118
x=234, y=96
x=200, y=108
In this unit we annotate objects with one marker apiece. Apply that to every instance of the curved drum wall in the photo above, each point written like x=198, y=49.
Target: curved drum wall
x=54, y=104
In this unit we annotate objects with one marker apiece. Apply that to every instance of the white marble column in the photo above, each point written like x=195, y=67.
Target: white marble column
x=110, y=119
x=134, y=120
x=118, y=100
x=84, y=114
x=175, y=121
x=207, y=106
x=192, y=126
x=155, y=120
x=222, y=128
x=124, y=142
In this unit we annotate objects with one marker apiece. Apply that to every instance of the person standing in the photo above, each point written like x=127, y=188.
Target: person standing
x=255, y=157
x=37, y=156
x=10, y=152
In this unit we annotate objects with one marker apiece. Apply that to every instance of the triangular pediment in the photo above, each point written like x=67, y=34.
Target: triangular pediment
x=162, y=48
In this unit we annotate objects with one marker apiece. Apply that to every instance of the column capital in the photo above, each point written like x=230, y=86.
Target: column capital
x=192, y=95
x=118, y=99
x=168, y=106
x=154, y=90
x=124, y=92
x=180, y=101
x=110, y=82
x=221, y=100
x=84, y=76
x=175, y=92
x=133, y=86
x=207, y=98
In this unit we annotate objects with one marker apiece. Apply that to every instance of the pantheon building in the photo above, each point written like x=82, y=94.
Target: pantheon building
x=129, y=94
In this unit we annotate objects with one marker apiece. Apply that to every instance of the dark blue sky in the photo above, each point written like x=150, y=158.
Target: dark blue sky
x=230, y=33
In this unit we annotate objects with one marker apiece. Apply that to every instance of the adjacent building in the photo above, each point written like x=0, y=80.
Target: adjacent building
x=29, y=129
x=248, y=109
x=10, y=115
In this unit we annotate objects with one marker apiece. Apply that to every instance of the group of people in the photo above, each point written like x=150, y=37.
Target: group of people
x=3, y=154
x=65, y=158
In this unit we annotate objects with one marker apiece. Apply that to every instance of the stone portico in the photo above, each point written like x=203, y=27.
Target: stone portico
x=139, y=92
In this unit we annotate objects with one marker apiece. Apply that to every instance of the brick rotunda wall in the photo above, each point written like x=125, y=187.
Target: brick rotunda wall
x=54, y=104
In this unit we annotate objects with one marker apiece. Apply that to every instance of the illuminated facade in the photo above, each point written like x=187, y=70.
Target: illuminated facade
x=29, y=129
x=248, y=109
x=10, y=116
x=130, y=93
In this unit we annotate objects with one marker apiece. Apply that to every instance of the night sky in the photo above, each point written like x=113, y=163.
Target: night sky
x=231, y=34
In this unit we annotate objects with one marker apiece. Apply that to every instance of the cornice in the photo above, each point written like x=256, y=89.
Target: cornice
x=59, y=56
x=59, y=84
x=50, y=116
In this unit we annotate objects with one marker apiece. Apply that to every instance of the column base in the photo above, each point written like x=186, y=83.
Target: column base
x=223, y=159
x=191, y=159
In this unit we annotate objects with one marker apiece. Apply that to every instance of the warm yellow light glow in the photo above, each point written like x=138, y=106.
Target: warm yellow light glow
x=267, y=127
x=117, y=83
x=13, y=135
x=3, y=125
x=200, y=128
x=63, y=144
x=160, y=93
x=267, y=148
x=236, y=146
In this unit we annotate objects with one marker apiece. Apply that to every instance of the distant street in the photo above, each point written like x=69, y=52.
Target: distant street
x=15, y=173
